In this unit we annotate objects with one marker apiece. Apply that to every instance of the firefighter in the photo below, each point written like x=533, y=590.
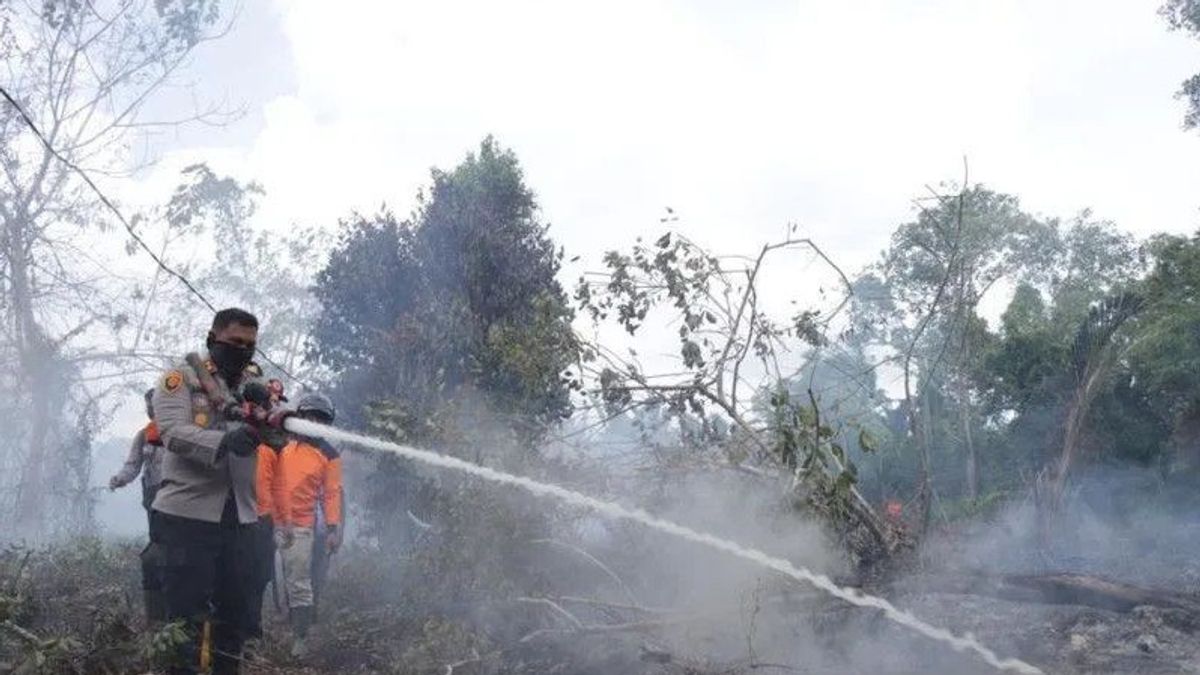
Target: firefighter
x=205, y=511
x=145, y=458
x=308, y=475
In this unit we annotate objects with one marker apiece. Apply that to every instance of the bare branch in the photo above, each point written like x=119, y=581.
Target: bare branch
x=594, y=561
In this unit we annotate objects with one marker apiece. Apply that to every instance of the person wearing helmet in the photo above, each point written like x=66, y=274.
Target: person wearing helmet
x=308, y=477
x=145, y=458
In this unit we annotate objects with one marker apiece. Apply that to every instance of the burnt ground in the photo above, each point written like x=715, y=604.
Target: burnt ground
x=77, y=609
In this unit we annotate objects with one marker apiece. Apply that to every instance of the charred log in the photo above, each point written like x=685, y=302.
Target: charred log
x=1064, y=589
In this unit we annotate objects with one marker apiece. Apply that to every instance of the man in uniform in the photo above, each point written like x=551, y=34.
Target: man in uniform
x=205, y=509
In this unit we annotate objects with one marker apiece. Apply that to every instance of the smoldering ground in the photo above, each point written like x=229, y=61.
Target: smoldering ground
x=696, y=609
x=633, y=594
x=496, y=580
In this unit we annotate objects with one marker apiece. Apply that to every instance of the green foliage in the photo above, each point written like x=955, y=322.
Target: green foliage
x=984, y=506
x=1012, y=382
x=1167, y=351
x=810, y=447
x=447, y=326
x=974, y=240
x=67, y=609
x=1185, y=15
x=460, y=300
x=162, y=646
x=266, y=272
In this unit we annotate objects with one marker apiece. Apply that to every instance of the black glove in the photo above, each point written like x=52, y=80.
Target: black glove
x=242, y=442
x=256, y=393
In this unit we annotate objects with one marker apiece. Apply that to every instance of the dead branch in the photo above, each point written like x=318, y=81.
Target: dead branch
x=603, y=629
x=20, y=632
x=475, y=658
x=555, y=607
x=594, y=561
x=614, y=605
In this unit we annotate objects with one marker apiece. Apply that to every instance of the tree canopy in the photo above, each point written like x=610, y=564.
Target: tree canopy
x=461, y=299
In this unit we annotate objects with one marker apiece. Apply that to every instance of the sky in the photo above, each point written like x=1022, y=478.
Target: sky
x=742, y=117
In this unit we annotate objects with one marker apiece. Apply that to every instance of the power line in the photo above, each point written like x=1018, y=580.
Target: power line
x=128, y=227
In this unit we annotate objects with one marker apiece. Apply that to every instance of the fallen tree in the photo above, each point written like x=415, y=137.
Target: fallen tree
x=1061, y=588
x=728, y=400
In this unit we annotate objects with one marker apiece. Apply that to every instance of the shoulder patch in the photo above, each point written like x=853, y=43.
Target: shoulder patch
x=254, y=370
x=172, y=381
x=210, y=366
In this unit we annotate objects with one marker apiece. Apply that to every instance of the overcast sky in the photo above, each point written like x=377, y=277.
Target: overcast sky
x=741, y=116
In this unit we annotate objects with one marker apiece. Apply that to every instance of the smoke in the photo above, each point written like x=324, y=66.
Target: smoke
x=1127, y=523
x=615, y=511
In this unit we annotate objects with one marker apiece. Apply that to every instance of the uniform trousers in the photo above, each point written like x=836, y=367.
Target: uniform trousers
x=208, y=573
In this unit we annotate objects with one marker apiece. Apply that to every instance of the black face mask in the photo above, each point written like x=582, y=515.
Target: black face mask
x=230, y=360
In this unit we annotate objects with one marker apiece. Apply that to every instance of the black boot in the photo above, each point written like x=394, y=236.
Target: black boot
x=227, y=649
x=156, y=606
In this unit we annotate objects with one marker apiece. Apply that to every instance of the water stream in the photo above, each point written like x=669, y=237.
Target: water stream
x=853, y=596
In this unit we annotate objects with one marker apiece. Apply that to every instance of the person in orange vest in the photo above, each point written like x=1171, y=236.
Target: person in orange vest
x=308, y=476
x=264, y=488
x=145, y=458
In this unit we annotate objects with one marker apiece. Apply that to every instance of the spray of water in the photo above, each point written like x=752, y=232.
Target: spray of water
x=616, y=511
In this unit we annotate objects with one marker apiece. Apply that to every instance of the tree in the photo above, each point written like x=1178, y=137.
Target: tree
x=1092, y=356
x=1008, y=389
x=940, y=267
x=268, y=272
x=728, y=394
x=83, y=72
x=456, y=312
x=1166, y=354
x=1185, y=15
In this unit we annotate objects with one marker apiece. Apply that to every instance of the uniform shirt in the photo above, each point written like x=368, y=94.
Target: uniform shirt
x=265, y=479
x=197, y=479
x=145, y=457
x=305, y=473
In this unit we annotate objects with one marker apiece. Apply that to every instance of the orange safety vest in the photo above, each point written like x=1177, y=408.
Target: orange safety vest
x=304, y=474
x=151, y=432
x=264, y=477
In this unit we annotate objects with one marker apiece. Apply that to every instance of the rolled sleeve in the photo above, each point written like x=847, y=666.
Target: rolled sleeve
x=133, y=461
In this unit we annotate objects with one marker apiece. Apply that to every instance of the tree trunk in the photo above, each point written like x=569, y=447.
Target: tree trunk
x=964, y=395
x=972, y=460
x=33, y=359
x=1074, y=430
x=1185, y=441
x=1062, y=589
x=918, y=420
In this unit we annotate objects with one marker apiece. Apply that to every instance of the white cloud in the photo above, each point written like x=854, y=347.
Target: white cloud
x=830, y=114
x=742, y=117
